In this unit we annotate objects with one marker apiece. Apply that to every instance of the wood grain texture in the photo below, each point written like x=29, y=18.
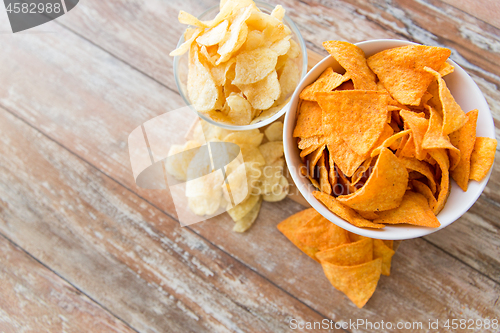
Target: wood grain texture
x=83, y=97
x=34, y=299
x=486, y=10
x=124, y=253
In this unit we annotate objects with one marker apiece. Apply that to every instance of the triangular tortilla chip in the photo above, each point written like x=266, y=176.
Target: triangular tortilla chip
x=290, y=226
x=385, y=187
x=324, y=183
x=357, y=116
x=348, y=254
x=343, y=156
x=344, y=212
x=401, y=70
x=422, y=167
x=414, y=209
x=327, y=81
x=418, y=125
x=453, y=116
x=309, y=120
x=423, y=189
x=482, y=158
x=440, y=156
x=353, y=60
x=464, y=139
x=382, y=251
x=356, y=282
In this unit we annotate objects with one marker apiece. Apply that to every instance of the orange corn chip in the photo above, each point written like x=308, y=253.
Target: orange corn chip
x=314, y=158
x=368, y=215
x=348, y=254
x=353, y=60
x=421, y=167
x=385, y=187
x=343, y=156
x=358, y=117
x=464, y=140
x=446, y=69
x=482, y=157
x=319, y=234
x=401, y=70
x=382, y=251
x=332, y=175
x=324, y=183
x=453, y=116
x=308, y=120
x=327, y=81
x=418, y=125
x=356, y=282
x=439, y=155
x=435, y=139
x=363, y=170
x=316, y=140
x=389, y=141
x=290, y=226
x=409, y=148
x=423, y=189
x=414, y=209
x=355, y=237
x=309, y=150
x=344, y=212
x=389, y=244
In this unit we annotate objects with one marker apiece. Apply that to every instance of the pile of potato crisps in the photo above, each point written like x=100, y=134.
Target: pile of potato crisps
x=260, y=165
x=352, y=263
x=242, y=64
x=380, y=141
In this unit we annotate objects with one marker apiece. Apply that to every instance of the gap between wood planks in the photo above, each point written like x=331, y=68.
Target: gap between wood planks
x=101, y=306
x=310, y=53
x=272, y=283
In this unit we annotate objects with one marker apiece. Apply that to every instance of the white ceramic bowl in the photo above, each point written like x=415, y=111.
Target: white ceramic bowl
x=467, y=95
x=181, y=68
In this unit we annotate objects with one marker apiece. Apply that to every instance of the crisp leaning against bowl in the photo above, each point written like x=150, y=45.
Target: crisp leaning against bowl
x=242, y=64
x=380, y=141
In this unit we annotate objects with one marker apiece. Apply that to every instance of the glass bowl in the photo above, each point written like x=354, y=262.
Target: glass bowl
x=181, y=69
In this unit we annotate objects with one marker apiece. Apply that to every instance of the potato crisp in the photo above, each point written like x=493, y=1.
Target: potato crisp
x=380, y=141
x=353, y=264
x=243, y=64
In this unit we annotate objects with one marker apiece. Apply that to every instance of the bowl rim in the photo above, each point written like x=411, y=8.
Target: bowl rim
x=403, y=231
x=295, y=30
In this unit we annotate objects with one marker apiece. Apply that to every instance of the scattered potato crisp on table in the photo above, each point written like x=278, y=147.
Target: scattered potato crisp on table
x=353, y=264
x=259, y=166
x=243, y=64
x=380, y=141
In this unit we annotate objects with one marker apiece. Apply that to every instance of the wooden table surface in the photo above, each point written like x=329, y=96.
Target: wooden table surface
x=82, y=249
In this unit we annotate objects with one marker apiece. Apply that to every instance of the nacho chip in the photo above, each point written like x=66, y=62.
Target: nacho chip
x=344, y=212
x=319, y=234
x=418, y=125
x=464, y=139
x=482, y=158
x=422, y=167
x=423, y=189
x=389, y=142
x=316, y=140
x=446, y=69
x=295, y=222
x=343, y=156
x=327, y=81
x=313, y=159
x=385, y=187
x=324, y=183
x=358, y=117
x=435, y=139
x=368, y=215
x=414, y=210
x=382, y=251
x=356, y=282
x=347, y=253
x=353, y=60
x=332, y=174
x=441, y=158
x=401, y=70
x=453, y=116
x=309, y=120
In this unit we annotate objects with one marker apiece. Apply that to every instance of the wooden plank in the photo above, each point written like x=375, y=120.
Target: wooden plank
x=34, y=299
x=124, y=253
x=83, y=70
x=486, y=10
